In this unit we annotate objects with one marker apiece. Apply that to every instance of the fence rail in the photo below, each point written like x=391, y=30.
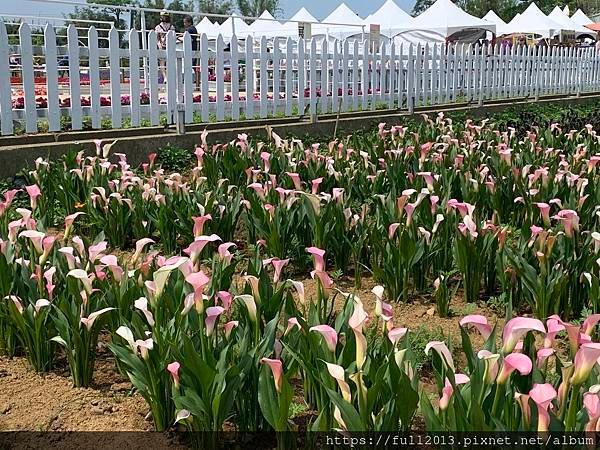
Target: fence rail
x=74, y=76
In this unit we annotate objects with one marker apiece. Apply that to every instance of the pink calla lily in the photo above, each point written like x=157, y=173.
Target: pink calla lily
x=329, y=335
x=448, y=390
x=542, y=395
x=585, y=359
x=443, y=351
x=319, y=258
x=512, y=362
x=212, y=314
x=173, y=369
x=516, y=328
x=276, y=367
x=89, y=321
x=479, y=322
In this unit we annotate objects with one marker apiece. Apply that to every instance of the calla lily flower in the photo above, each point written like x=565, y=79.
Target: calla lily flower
x=139, y=248
x=142, y=304
x=543, y=354
x=442, y=350
x=36, y=238
x=82, y=276
x=195, y=248
x=89, y=321
x=126, y=334
x=212, y=314
x=329, y=335
x=144, y=347
x=479, y=322
x=337, y=372
x=318, y=255
x=182, y=415
x=173, y=369
x=34, y=193
x=591, y=401
x=69, y=223
x=512, y=362
x=585, y=359
x=250, y=304
x=41, y=303
x=542, y=395
x=589, y=323
x=396, y=334
x=199, y=224
x=226, y=298
x=278, y=265
x=299, y=287
x=229, y=326
x=516, y=328
x=448, y=390
x=291, y=324
x=276, y=367
x=523, y=402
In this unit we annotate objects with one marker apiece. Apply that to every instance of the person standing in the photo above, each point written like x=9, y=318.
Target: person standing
x=161, y=30
x=191, y=29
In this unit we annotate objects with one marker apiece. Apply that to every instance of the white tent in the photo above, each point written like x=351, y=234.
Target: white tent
x=352, y=24
x=264, y=27
x=560, y=17
x=566, y=10
x=303, y=16
x=205, y=26
x=242, y=30
x=390, y=17
x=534, y=21
x=290, y=28
x=494, y=18
x=443, y=20
x=581, y=19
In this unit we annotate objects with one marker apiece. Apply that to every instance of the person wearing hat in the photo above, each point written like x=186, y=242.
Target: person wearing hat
x=161, y=30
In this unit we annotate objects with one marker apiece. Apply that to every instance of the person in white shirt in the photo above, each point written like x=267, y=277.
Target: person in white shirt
x=161, y=30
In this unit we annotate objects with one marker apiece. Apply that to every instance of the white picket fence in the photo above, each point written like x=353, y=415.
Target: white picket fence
x=262, y=79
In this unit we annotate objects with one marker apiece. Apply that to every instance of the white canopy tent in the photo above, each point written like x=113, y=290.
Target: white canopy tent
x=441, y=21
x=390, y=17
x=494, y=18
x=205, y=26
x=290, y=28
x=534, y=21
x=567, y=23
x=264, y=27
x=352, y=24
x=581, y=19
x=242, y=30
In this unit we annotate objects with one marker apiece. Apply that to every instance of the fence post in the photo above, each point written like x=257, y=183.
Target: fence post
x=410, y=73
x=220, y=79
x=74, y=80
x=235, y=78
x=264, y=78
x=134, y=78
x=6, y=115
x=115, y=77
x=53, y=107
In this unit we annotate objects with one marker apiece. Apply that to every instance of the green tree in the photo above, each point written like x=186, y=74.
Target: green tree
x=420, y=6
x=106, y=14
x=506, y=9
x=254, y=8
x=204, y=7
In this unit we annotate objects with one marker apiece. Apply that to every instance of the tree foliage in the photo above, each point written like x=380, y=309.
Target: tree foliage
x=254, y=8
x=224, y=7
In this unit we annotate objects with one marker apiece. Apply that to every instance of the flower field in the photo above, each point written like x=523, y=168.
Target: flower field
x=196, y=281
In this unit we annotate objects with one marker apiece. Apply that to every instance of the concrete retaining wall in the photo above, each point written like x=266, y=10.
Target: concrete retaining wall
x=20, y=152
